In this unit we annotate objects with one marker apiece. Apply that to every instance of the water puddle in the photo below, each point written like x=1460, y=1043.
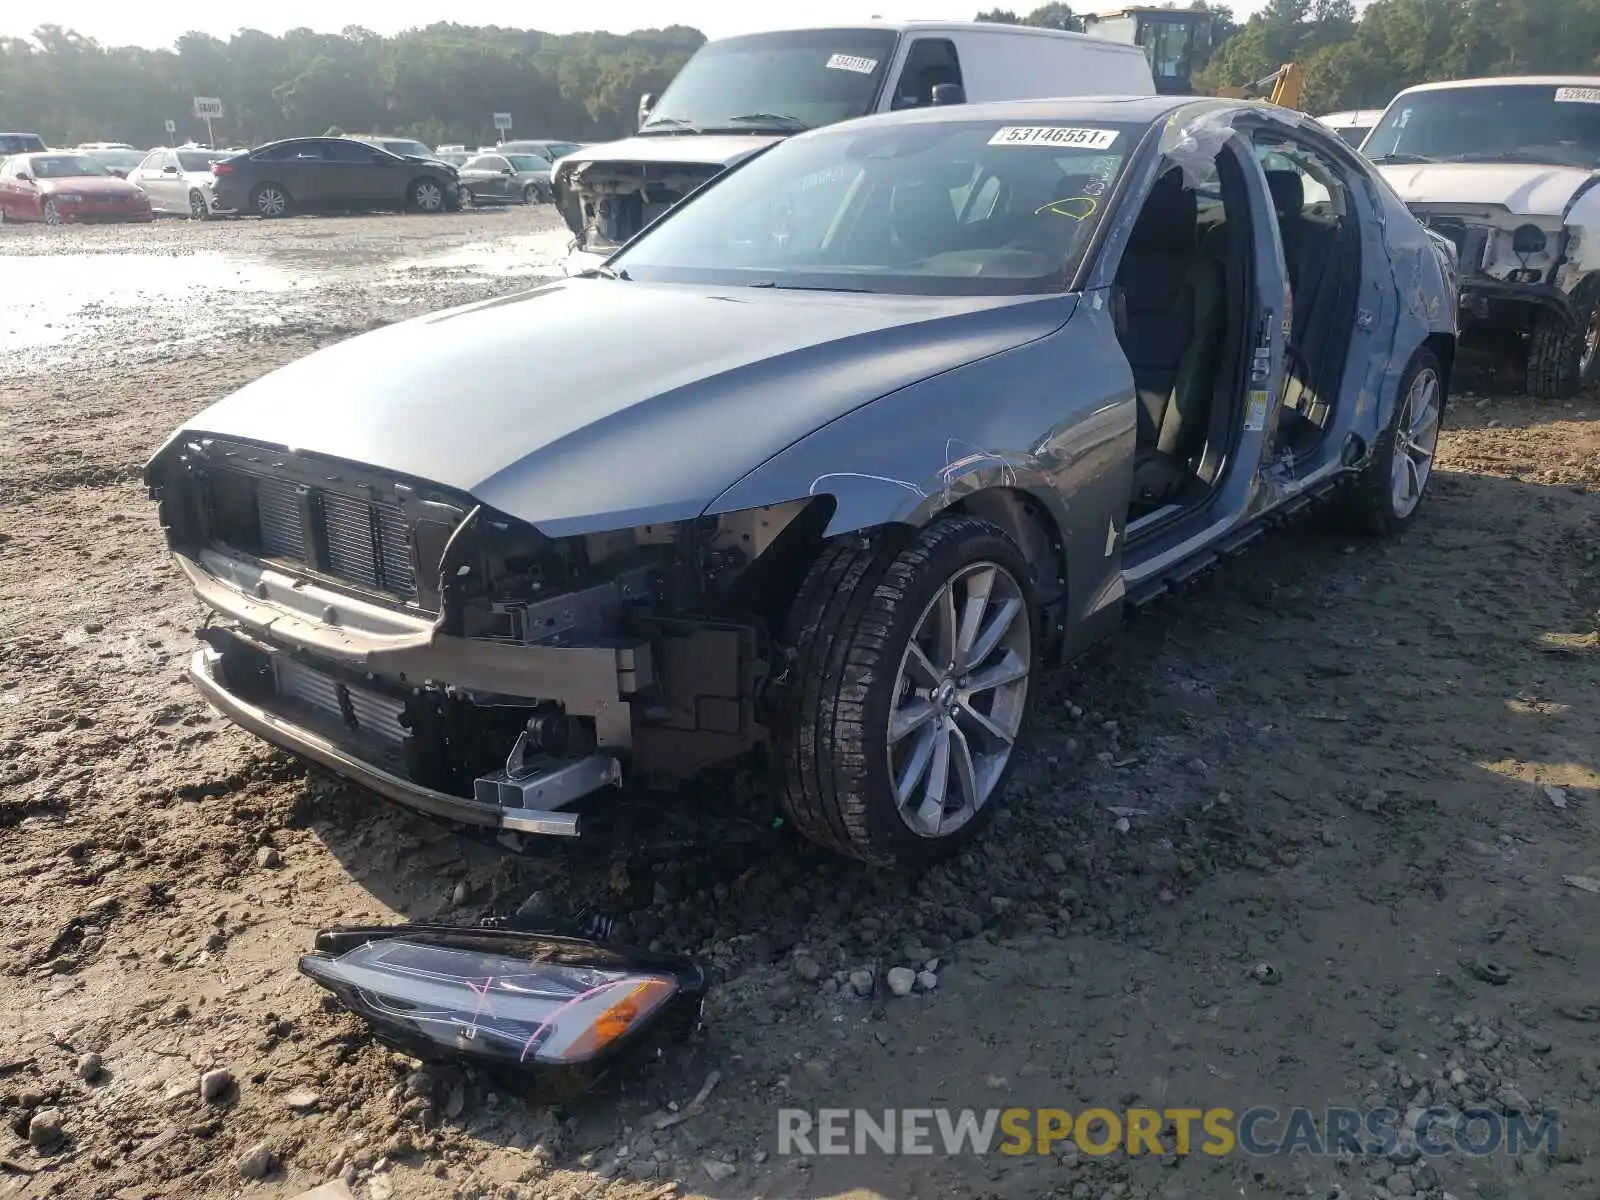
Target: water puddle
x=48, y=299
x=522, y=254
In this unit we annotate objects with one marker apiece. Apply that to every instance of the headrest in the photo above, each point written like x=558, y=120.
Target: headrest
x=1288, y=192
x=1166, y=223
x=922, y=216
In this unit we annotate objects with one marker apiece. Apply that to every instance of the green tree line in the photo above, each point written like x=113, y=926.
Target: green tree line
x=440, y=84
x=1361, y=60
x=443, y=83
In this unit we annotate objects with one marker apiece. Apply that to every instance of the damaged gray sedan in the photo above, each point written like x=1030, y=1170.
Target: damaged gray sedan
x=906, y=408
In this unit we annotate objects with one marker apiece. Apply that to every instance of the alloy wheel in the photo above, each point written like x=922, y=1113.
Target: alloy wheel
x=429, y=197
x=1591, y=346
x=197, y=206
x=52, y=213
x=960, y=697
x=1415, y=440
x=270, y=202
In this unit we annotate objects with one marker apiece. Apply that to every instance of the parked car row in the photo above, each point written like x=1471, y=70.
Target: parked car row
x=115, y=181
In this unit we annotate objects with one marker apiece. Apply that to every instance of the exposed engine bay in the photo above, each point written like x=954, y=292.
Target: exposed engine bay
x=607, y=203
x=459, y=660
x=1499, y=247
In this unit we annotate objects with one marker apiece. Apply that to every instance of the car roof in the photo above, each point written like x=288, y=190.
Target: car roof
x=1353, y=116
x=962, y=27
x=1138, y=109
x=1506, y=81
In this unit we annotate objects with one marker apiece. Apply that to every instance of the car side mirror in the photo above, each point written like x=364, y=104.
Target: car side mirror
x=24, y=177
x=169, y=170
x=949, y=93
x=646, y=103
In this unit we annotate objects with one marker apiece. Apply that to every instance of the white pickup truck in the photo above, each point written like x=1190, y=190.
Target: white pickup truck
x=736, y=96
x=1507, y=169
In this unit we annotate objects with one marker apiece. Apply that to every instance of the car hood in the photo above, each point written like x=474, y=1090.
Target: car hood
x=1524, y=190
x=708, y=149
x=589, y=404
x=88, y=185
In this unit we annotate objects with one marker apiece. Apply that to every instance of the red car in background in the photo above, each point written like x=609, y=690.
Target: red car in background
x=58, y=188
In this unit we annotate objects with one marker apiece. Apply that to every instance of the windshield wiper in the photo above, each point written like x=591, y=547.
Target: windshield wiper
x=1402, y=156
x=1505, y=156
x=807, y=287
x=668, y=122
x=783, y=120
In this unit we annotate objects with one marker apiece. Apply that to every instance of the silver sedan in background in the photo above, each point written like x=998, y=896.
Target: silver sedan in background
x=506, y=179
x=179, y=181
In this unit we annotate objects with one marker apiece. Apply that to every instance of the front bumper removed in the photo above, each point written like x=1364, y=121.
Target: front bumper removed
x=302, y=730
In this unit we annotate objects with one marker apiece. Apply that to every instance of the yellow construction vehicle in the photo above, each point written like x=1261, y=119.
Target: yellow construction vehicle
x=1178, y=43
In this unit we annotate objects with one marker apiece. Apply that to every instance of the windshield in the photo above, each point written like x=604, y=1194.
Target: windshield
x=199, y=160
x=775, y=81
x=63, y=166
x=947, y=209
x=527, y=162
x=562, y=149
x=117, y=160
x=19, y=143
x=1534, y=123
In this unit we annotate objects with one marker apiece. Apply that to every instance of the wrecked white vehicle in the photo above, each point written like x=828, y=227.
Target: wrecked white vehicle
x=1506, y=169
x=737, y=96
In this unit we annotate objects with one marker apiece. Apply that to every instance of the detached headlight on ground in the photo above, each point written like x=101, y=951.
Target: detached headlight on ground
x=506, y=998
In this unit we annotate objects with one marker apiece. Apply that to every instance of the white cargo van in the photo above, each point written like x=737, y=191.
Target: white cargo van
x=739, y=95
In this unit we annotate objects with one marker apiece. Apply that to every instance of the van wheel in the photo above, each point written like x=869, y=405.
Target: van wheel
x=909, y=690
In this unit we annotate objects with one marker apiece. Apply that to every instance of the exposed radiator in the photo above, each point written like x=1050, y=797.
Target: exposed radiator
x=371, y=713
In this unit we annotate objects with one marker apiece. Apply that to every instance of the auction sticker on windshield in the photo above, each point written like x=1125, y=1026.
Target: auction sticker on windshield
x=849, y=62
x=1577, y=95
x=1055, y=136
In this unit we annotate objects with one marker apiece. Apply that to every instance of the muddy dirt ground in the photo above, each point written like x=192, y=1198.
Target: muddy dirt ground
x=1304, y=837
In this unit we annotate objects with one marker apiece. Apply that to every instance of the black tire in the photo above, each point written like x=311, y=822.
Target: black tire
x=468, y=200
x=1562, y=355
x=199, y=210
x=51, y=213
x=850, y=627
x=427, y=195
x=1371, y=505
x=532, y=195
x=271, y=200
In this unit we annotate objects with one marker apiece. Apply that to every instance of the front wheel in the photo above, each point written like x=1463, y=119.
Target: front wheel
x=1388, y=492
x=1563, y=354
x=199, y=210
x=52, y=213
x=532, y=195
x=427, y=195
x=909, y=690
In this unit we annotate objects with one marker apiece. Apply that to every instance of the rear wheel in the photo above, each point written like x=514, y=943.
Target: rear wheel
x=199, y=210
x=1388, y=492
x=910, y=689
x=427, y=195
x=52, y=213
x=270, y=200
